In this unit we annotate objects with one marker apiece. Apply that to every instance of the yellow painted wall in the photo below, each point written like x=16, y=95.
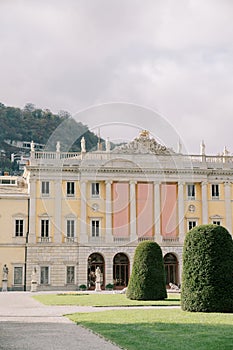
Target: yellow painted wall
x=197, y=214
x=100, y=213
x=221, y=191
x=10, y=207
x=76, y=188
x=216, y=208
x=71, y=208
x=11, y=256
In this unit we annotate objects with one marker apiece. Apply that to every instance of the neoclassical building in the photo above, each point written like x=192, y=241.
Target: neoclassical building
x=72, y=212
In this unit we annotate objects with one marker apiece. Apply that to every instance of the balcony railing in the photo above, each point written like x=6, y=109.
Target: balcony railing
x=96, y=239
x=45, y=239
x=144, y=238
x=62, y=156
x=171, y=240
x=121, y=239
x=69, y=239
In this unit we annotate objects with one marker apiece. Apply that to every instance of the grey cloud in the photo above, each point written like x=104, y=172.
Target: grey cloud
x=174, y=57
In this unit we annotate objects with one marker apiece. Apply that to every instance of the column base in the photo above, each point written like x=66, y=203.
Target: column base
x=97, y=287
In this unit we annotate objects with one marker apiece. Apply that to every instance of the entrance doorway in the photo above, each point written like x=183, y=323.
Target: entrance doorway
x=95, y=260
x=120, y=271
x=171, y=269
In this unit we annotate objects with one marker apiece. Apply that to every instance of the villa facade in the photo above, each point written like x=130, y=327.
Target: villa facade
x=72, y=212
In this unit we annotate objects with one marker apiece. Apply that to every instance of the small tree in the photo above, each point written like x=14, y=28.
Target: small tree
x=207, y=283
x=147, y=281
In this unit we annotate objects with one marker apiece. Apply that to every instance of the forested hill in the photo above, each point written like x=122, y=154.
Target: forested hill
x=31, y=123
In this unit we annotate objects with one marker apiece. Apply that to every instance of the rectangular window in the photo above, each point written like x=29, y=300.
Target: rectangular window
x=45, y=188
x=191, y=191
x=191, y=224
x=217, y=222
x=70, y=188
x=44, y=275
x=95, y=189
x=70, y=274
x=215, y=191
x=18, y=275
x=18, y=228
x=95, y=228
x=44, y=230
x=70, y=228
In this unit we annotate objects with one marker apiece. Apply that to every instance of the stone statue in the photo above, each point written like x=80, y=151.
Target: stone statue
x=97, y=274
x=225, y=152
x=202, y=148
x=58, y=146
x=179, y=147
x=32, y=146
x=97, y=279
x=5, y=273
x=107, y=145
x=34, y=280
x=83, y=144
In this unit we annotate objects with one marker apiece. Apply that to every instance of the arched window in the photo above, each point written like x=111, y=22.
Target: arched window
x=95, y=260
x=171, y=268
x=120, y=271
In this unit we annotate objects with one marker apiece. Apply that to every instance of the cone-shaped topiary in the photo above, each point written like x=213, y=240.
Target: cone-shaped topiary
x=207, y=281
x=147, y=281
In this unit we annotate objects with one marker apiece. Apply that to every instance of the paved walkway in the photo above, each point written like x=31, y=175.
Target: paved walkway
x=26, y=324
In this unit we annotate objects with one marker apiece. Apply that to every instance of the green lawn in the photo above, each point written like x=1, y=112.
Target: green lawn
x=160, y=329
x=102, y=300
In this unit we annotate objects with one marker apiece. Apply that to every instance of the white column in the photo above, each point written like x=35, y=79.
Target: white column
x=108, y=208
x=83, y=238
x=32, y=212
x=157, y=212
x=227, y=189
x=133, y=222
x=57, y=212
x=181, y=210
x=204, y=202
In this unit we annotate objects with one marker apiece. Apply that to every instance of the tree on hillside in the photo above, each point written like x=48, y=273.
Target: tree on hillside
x=41, y=126
x=147, y=281
x=207, y=283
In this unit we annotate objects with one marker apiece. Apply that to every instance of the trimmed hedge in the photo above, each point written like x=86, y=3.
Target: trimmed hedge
x=147, y=281
x=207, y=281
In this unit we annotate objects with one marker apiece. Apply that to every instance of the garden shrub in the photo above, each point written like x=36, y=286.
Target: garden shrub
x=207, y=280
x=147, y=281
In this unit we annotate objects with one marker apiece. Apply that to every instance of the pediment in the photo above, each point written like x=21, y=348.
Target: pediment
x=143, y=144
x=121, y=163
x=44, y=215
x=19, y=215
x=71, y=216
x=216, y=217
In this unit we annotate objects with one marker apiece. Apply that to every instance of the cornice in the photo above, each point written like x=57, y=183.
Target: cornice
x=113, y=170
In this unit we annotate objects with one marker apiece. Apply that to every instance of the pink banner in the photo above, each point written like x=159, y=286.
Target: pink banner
x=145, y=209
x=120, y=220
x=169, y=210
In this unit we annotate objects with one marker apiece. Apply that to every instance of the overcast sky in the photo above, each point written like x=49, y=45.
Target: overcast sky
x=173, y=57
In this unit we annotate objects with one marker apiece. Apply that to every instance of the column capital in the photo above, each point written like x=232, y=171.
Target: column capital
x=83, y=182
x=133, y=182
x=227, y=183
x=57, y=181
x=108, y=182
x=204, y=183
x=157, y=182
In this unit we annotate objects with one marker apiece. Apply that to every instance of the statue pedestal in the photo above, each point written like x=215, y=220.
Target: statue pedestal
x=33, y=286
x=4, y=285
x=97, y=287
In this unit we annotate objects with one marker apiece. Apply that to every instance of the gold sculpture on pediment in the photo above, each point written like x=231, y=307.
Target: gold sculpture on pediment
x=144, y=133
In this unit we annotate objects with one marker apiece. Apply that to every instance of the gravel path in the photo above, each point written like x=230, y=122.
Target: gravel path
x=26, y=324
